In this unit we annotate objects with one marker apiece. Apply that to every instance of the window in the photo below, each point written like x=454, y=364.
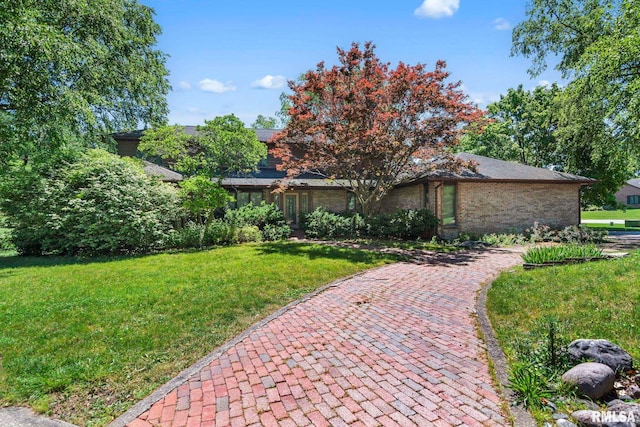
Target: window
x=633, y=200
x=304, y=203
x=243, y=198
x=449, y=204
x=426, y=195
x=352, y=202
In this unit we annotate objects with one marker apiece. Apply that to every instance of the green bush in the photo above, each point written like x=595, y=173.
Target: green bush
x=269, y=220
x=403, y=224
x=570, y=234
x=248, y=233
x=95, y=204
x=217, y=232
x=322, y=224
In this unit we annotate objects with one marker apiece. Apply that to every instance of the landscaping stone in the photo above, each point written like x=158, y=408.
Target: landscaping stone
x=562, y=422
x=593, y=380
x=633, y=392
x=601, y=351
x=624, y=407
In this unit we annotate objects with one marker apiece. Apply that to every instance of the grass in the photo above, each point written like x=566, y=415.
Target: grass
x=592, y=300
x=614, y=227
x=84, y=339
x=426, y=245
x=629, y=213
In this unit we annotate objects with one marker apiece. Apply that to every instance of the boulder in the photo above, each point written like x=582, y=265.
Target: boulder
x=589, y=418
x=601, y=351
x=593, y=380
x=630, y=410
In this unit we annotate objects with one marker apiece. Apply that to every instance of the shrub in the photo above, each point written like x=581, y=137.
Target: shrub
x=248, y=233
x=97, y=204
x=322, y=224
x=570, y=234
x=269, y=220
x=194, y=235
x=403, y=224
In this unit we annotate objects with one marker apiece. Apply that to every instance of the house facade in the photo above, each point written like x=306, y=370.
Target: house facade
x=629, y=194
x=498, y=197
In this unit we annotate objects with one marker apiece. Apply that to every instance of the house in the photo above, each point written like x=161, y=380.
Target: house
x=629, y=194
x=498, y=197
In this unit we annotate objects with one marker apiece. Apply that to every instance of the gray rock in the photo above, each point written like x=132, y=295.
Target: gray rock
x=565, y=423
x=633, y=391
x=593, y=380
x=23, y=417
x=588, y=418
x=560, y=416
x=626, y=408
x=601, y=351
x=589, y=404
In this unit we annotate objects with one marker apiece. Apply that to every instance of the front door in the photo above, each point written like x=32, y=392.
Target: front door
x=291, y=209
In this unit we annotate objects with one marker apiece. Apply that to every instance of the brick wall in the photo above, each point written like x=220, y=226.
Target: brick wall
x=506, y=207
x=627, y=190
x=331, y=200
x=404, y=198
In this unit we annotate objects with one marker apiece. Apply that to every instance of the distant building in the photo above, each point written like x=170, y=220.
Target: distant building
x=629, y=194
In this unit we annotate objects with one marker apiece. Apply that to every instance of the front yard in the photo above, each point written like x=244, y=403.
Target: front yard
x=83, y=340
x=593, y=300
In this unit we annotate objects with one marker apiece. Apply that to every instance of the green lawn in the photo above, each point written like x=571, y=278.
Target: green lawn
x=609, y=227
x=628, y=214
x=85, y=339
x=593, y=300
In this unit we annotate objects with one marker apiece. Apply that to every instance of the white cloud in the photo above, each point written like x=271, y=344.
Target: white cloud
x=270, y=82
x=184, y=85
x=545, y=83
x=437, y=8
x=216, y=86
x=501, y=24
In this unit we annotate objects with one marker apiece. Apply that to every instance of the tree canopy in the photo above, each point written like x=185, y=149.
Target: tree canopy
x=598, y=46
x=265, y=122
x=371, y=125
x=223, y=146
x=76, y=68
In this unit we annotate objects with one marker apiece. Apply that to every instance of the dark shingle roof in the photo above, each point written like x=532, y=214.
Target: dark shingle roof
x=263, y=134
x=499, y=170
x=166, y=175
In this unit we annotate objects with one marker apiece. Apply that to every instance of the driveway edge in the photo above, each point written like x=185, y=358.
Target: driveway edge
x=521, y=416
x=142, y=406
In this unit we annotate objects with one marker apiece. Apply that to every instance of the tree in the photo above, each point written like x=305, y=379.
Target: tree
x=76, y=68
x=521, y=129
x=263, y=122
x=371, y=125
x=598, y=44
x=223, y=146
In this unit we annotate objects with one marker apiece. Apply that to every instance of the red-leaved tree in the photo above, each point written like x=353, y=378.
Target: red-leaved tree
x=372, y=127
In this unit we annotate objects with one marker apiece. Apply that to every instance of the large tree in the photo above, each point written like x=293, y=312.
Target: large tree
x=597, y=43
x=76, y=68
x=370, y=125
x=222, y=147
x=521, y=129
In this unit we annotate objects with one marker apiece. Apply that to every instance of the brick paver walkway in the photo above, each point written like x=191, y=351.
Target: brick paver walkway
x=396, y=345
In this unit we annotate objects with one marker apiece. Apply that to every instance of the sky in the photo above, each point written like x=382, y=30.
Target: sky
x=235, y=57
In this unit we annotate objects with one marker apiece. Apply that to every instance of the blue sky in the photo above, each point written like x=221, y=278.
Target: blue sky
x=235, y=56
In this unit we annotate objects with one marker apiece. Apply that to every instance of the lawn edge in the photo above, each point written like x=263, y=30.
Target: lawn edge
x=521, y=416
x=142, y=406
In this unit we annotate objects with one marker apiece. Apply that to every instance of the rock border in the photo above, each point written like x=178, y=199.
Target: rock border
x=521, y=416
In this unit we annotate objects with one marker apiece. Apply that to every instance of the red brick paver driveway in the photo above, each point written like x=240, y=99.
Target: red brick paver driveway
x=396, y=345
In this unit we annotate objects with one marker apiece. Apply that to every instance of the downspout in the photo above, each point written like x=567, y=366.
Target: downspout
x=437, y=212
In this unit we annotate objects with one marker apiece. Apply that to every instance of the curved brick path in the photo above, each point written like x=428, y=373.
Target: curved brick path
x=396, y=345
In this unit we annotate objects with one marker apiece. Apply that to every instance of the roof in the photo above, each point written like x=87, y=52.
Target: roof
x=166, y=175
x=635, y=182
x=263, y=134
x=489, y=169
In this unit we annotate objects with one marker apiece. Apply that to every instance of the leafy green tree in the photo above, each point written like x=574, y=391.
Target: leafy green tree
x=263, y=122
x=598, y=46
x=88, y=204
x=521, y=129
x=76, y=68
x=223, y=146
